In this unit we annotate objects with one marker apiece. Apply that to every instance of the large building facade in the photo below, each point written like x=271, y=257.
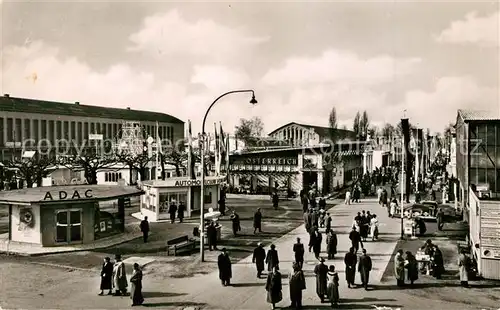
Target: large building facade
x=296, y=134
x=477, y=154
x=30, y=124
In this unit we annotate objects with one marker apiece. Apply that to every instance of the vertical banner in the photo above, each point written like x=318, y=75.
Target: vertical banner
x=191, y=158
x=217, y=158
x=222, y=148
x=405, y=125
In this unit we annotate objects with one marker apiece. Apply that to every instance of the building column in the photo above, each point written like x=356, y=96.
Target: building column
x=365, y=163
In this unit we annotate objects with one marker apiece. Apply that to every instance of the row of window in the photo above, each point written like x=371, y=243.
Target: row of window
x=112, y=176
x=19, y=130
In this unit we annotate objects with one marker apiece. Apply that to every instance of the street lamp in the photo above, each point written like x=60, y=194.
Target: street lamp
x=202, y=155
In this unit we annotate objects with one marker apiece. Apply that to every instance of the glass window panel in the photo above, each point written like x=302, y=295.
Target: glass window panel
x=491, y=178
x=490, y=134
x=75, y=217
x=481, y=176
x=76, y=233
x=62, y=233
x=62, y=218
x=486, y=158
x=474, y=160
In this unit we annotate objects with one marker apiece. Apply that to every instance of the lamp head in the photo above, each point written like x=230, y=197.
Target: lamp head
x=253, y=100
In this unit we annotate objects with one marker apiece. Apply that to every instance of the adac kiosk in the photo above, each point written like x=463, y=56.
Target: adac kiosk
x=62, y=215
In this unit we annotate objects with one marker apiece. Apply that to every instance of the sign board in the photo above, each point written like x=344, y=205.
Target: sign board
x=275, y=161
x=490, y=230
x=63, y=195
x=408, y=227
x=93, y=136
x=187, y=183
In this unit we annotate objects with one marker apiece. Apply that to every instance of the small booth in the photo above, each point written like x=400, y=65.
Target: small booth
x=159, y=195
x=63, y=215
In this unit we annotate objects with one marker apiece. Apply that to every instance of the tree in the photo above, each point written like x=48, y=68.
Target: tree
x=332, y=122
x=33, y=169
x=249, y=130
x=388, y=132
x=176, y=158
x=373, y=132
x=356, y=125
x=137, y=163
x=364, y=125
x=90, y=163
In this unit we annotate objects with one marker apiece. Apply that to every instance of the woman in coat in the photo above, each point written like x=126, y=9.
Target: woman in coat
x=107, y=276
x=225, y=268
x=119, y=276
x=297, y=284
x=463, y=267
x=437, y=263
x=412, y=267
x=399, y=268
x=333, y=286
x=136, y=286
x=272, y=259
x=321, y=272
x=374, y=227
x=274, y=287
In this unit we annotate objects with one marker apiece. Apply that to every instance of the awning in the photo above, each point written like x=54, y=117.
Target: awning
x=265, y=173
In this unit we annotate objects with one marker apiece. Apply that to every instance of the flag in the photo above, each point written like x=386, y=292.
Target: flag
x=159, y=154
x=227, y=158
x=222, y=146
x=191, y=160
x=216, y=151
x=405, y=126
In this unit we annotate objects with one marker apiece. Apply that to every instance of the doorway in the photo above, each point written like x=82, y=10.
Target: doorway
x=309, y=178
x=69, y=226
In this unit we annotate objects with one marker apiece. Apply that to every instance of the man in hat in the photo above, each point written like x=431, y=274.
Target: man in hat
x=259, y=256
x=364, y=268
x=225, y=270
x=257, y=221
x=145, y=229
x=321, y=272
x=119, y=276
x=172, y=210
x=298, y=249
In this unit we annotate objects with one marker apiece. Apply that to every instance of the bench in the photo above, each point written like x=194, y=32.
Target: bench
x=180, y=244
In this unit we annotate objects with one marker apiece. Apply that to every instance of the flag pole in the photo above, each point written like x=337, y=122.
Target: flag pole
x=157, y=149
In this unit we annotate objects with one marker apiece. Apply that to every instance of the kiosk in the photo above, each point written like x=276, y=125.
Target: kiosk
x=63, y=215
x=160, y=194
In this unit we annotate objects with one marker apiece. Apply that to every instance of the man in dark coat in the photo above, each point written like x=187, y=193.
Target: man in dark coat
x=298, y=250
x=212, y=236
x=350, y=261
x=145, y=229
x=312, y=238
x=225, y=270
x=276, y=200
x=322, y=203
x=180, y=211
x=297, y=284
x=107, y=276
x=364, y=268
x=272, y=259
x=222, y=206
x=307, y=220
x=305, y=203
x=258, y=258
x=321, y=272
x=328, y=221
x=172, y=210
x=314, y=218
x=235, y=219
x=355, y=238
x=257, y=221
x=331, y=244
x=440, y=219
x=318, y=238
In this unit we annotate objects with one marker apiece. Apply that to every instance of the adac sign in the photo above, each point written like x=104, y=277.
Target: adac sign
x=63, y=195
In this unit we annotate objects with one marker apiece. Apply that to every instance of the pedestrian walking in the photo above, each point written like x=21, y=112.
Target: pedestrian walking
x=297, y=283
x=314, y=218
x=305, y=203
x=180, y=211
x=440, y=219
x=364, y=268
x=437, y=263
x=119, y=276
x=225, y=268
x=307, y=220
x=276, y=200
x=144, y=229
x=272, y=259
x=374, y=227
x=274, y=287
x=136, y=286
x=212, y=236
x=399, y=268
x=298, y=250
x=318, y=238
x=379, y=195
x=333, y=286
x=258, y=258
x=411, y=265
x=463, y=267
x=257, y=221
x=347, y=200
x=392, y=207
x=107, y=276
x=235, y=219
x=328, y=225
x=355, y=238
x=331, y=244
x=222, y=206
x=312, y=237
x=350, y=261
x=321, y=272
x=172, y=210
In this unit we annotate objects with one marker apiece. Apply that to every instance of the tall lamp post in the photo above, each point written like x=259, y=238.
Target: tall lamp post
x=202, y=154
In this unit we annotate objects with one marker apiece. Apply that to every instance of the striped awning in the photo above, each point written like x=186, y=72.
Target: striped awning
x=257, y=173
x=349, y=153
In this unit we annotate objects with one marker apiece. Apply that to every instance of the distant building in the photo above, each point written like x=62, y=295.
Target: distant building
x=297, y=134
x=30, y=124
x=478, y=154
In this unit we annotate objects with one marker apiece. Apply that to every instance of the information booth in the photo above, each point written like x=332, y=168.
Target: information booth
x=159, y=195
x=63, y=215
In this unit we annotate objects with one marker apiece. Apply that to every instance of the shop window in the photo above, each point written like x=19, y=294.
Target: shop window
x=491, y=134
x=166, y=199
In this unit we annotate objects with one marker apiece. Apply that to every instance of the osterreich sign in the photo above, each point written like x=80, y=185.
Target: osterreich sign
x=273, y=161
